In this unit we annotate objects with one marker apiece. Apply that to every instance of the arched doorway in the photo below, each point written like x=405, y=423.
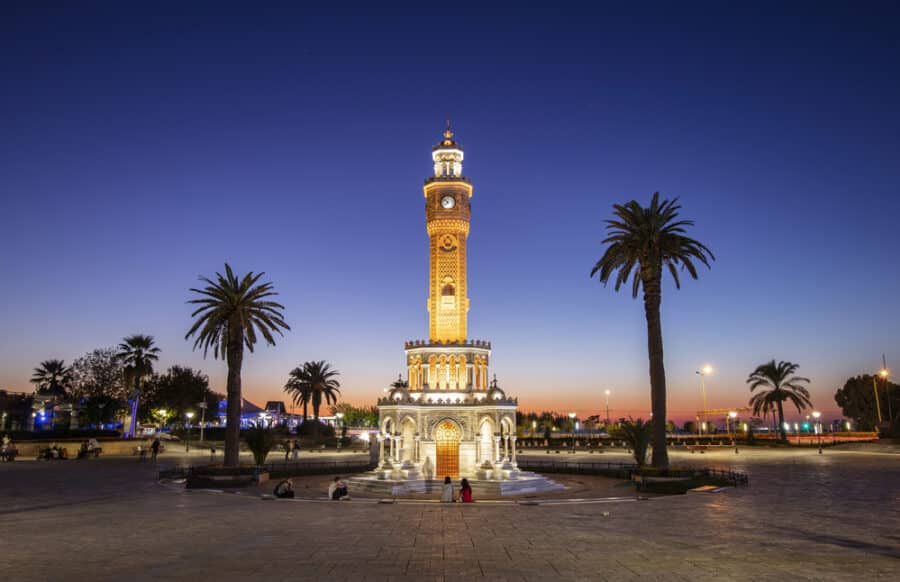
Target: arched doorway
x=446, y=438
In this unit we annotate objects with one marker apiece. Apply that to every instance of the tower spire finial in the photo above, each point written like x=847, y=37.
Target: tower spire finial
x=448, y=133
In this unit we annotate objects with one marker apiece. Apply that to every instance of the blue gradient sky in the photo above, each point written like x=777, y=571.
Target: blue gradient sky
x=142, y=147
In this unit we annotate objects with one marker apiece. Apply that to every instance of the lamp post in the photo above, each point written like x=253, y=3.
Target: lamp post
x=202, y=406
x=187, y=441
x=340, y=417
x=733, y=416
x=816, y=414
x=607, y=392
x=161, y=413
x=572, y=416
x=703, y=373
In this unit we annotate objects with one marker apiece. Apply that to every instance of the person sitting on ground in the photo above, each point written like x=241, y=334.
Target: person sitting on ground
x=447, y=495
x=465, y=491
x=338, y=491
x=285, y=489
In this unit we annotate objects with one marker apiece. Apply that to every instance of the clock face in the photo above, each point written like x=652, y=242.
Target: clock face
x=448, y=202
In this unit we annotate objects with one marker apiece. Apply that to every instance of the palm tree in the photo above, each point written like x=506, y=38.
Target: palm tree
x=53, y=378
x=784, y=386
x=137, y=353
x=317, y=381
x=299, y=390
x=643, y=241
x=231, y=312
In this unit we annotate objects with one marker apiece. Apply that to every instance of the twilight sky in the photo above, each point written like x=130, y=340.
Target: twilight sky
x=141, y=147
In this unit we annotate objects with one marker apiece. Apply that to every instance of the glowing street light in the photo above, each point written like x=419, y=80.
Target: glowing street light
x=187, y=441
x=161, y=413
x=703, y=372
x=733, y=416
x=572, y=416
x=818, y=428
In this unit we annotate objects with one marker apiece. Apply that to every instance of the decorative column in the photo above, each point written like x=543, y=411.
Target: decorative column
x=478, y=450
x=416, y=449
x=496, y=448
x=380, y=450
x=514, y=438
x=397, y=447
x=506, y=446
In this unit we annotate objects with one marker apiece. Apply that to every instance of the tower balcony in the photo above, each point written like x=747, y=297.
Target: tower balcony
x=434, y=179
x=469, y=343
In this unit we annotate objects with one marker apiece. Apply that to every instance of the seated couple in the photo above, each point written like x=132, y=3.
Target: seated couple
x=338, y=491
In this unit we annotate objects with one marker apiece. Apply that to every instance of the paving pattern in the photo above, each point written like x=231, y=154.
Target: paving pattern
x=804, y=517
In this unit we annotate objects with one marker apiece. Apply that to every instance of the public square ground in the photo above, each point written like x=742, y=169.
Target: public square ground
x=804, y=517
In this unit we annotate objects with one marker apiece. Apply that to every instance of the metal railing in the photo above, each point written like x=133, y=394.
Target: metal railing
x=279, y=469
x=628, y=470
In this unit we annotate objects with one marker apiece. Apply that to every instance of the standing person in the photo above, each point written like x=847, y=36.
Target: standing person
x=154, y=449
x=296, y=447
x=447, y=493
x=465, y=491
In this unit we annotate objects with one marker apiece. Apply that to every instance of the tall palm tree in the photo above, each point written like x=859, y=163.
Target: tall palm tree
x=299, y=390
x=643, y=241
x=232, y=312
x=53, y=378
x=137, y=354
x=784, y=387
x=317, y=381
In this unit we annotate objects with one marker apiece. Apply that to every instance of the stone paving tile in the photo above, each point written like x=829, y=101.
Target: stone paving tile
x=803, y=517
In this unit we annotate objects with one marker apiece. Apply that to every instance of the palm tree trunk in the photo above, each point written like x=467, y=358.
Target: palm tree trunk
x=305, y=410
x=233, y=427
x=781, y=421
x=652, y=300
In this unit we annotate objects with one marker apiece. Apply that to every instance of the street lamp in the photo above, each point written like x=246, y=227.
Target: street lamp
x=161, y=413
x=339, y=416
x=733, y=416
x=607, y=392
x=572, y=416
x=202, y=406
x=187, y=441
x=703, y=372
x=816, y=414
x=533, y=427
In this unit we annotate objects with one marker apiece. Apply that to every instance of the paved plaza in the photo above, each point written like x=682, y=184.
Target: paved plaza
x=803, y=517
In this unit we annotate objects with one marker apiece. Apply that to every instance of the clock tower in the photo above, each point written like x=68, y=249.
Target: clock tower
x=447, y=213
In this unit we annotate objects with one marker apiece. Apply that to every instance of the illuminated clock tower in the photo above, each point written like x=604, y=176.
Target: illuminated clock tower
x=448, y=418
x=447, y=214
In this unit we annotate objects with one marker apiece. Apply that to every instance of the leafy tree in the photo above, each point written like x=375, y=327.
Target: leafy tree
x=357, y=415
x=99, y=373
x=642, y=242
x=690, y=427
x=779, y=377
x=179, y=391
x=15, y=410
x=637, y=435
x=53, y=378
x=101, y=409
x=857, y=400
x=231, y=312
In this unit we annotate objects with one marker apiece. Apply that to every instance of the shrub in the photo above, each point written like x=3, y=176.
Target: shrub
x=636, y=434
x=260, y=441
